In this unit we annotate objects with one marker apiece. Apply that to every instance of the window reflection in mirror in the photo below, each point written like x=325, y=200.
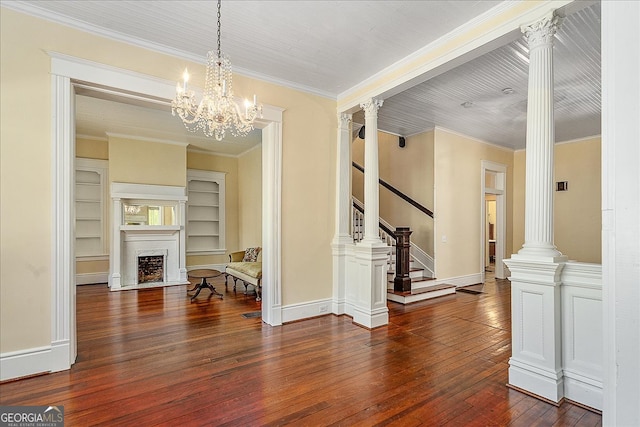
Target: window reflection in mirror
x=139, y=214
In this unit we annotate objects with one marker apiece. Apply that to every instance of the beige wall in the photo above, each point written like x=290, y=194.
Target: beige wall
x=250, y=199
x=408, y=169
x=519, y=161
x=147, y=162
x=91, y=148
x=228, y=166
x=577, y=212
x=458, y=196
x=308, y=187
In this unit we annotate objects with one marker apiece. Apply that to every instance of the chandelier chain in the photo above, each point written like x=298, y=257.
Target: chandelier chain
x=219, y=54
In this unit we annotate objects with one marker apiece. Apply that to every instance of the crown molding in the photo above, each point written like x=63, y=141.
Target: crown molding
x=91, y=137
x=31, y=9
x=473, y=138
x=147, y=139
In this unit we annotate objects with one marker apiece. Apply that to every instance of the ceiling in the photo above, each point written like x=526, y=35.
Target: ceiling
x=327, y=47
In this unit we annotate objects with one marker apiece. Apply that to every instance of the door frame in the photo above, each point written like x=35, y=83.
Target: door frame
x=500, y=227
x=65, y=72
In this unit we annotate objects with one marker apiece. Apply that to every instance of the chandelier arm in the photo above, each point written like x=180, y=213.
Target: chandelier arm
x=188, y=111
x=240, y=116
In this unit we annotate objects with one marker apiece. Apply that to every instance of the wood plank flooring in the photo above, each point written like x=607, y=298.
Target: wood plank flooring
x=150, y=357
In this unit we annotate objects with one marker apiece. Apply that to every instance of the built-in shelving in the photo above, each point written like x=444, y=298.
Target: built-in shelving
x=90, y=207
x=205, y=212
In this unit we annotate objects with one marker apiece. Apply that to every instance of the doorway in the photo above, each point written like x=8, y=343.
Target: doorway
x=490, y=232
x=493, y=218
x=66, y=71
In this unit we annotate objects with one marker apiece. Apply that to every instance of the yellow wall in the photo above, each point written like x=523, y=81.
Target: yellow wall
x=308, y=187
x=228, y=166
x=408, y=169
x=91, y=148
x=250, y=199
x=519, y=164
x=147, y=162
x=577, y=212
x=458, y=195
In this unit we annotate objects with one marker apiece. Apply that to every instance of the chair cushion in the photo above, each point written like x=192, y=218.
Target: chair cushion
x=251, y=254
x=251, y=269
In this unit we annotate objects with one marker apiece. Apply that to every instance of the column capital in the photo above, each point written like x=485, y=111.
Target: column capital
x=343, y=120
x=371, y=106
x=542, y=31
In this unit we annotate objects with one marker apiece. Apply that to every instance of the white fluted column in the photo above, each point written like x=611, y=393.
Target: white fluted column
x=343, y=180
x=538, y=227
x=371, y=254
x=536, y=329
x=371, y=172
x=342, y=237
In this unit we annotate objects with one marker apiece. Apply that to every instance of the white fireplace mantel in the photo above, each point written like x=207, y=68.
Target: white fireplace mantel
x=128, y=241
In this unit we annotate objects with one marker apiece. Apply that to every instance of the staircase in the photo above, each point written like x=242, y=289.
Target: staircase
x=423, y=284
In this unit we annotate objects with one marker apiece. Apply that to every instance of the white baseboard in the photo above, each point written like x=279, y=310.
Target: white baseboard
x=338, y=307
x=583, y=390
x=22, y=363
x=92, y=278
x=536, y=380
x=470, y=279
x=293, y=312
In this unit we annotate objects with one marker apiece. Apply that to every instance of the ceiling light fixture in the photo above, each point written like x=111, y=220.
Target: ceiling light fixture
x=467, y=104
x=217, y=112
x=508, y=91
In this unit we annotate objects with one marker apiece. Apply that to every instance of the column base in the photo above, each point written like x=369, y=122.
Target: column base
x=115, y=282
x=371, y=318
x=537, y=380
x=339, y=252
x=372, y=243
x=544, y=254
x=370, y=296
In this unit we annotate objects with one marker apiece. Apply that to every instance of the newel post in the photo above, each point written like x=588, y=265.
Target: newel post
x=402, y=281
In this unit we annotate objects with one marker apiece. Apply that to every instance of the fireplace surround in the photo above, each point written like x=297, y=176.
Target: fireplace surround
x=148, y=221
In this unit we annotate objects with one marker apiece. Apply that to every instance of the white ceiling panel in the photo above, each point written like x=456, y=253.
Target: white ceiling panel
x=327, y=47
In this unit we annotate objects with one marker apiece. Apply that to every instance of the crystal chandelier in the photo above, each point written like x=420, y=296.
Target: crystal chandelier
x=217, y=112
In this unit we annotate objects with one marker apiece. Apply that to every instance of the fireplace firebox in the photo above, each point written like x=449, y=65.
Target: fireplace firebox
x=150, y=269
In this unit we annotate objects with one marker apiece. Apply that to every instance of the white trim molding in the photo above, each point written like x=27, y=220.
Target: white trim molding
x=459, y=281
x=582, y=337
x=620, y=211
x=92, y=278
x=23, y=363
x=293, y=312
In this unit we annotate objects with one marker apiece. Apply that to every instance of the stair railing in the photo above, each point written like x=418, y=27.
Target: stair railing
x=387, y=235
x=398, y=193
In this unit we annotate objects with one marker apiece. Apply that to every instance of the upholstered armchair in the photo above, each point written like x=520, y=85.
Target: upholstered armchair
x=244, y=266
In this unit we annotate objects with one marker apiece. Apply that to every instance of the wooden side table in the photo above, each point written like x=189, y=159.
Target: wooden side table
x=204, y=274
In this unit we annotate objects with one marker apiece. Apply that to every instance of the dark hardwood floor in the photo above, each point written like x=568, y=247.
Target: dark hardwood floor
x=151, y=357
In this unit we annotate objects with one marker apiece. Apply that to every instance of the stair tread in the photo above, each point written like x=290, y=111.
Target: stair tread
x=412, y=269
x=417, y=279
x=433, y=288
